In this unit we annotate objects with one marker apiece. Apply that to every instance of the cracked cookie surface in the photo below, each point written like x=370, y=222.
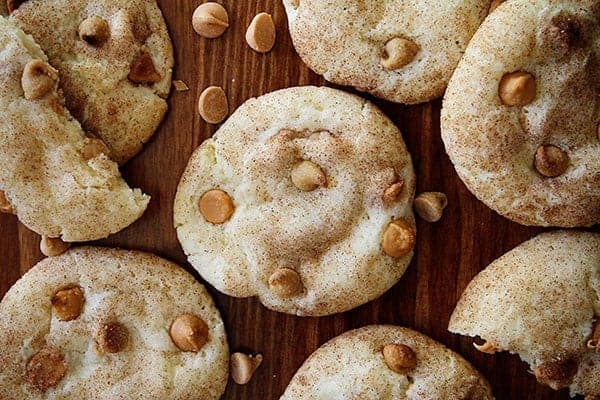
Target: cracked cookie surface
x=101, y=323
x=540, y=301
x=114, y=58
x=356, y=365
x=400, y=50
x=47, y=177
x=287, y=202
x=521, y=115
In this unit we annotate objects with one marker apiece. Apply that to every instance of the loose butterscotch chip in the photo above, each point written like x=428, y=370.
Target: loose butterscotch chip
x=398, y=239
x=112, y=337
x=189, y=333
x=487, y=347
x=67, y=303
x=392, y=192
x=399, y=358
x=430, y=205
x=212, y=105
x=38, y=79
x=51, y=247
x=594, y=341
x=398, y=53
x=94, y=31
x=5, y=205
x=551, y=161
x=556, y=374
x=45, y=369
x=517, y=88
x=180, y=86
x=142, y=69
x=285, y=283
x=216, y=206
x=93, y=147
x=307, y=176
x=243, y=367
x=210, y=20
x=261, y=33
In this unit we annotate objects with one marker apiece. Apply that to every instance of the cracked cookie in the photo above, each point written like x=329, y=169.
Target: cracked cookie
x=114, y=58
x=57, y=181
x=399, y=50
x=386, y=362
x=106, y=323
x=302, y=198
x=540, y=301
x=520, y=119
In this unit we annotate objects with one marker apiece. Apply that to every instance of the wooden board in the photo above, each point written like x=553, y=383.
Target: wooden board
x=449, y=253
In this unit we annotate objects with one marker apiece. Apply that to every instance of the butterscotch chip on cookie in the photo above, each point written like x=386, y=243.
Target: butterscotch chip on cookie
x=114, y=58
x=402, y=51
x=49, y=177
x=290, y=201
x=386, y=362
x=520, y=117
x=540, y=301
x=97, y=323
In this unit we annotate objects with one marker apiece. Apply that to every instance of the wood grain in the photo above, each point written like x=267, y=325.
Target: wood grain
x=449, y=253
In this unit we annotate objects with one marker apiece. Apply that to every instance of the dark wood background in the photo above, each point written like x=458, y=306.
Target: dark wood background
x=448, y=254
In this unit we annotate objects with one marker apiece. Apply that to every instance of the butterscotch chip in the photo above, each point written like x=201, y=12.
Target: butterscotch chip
x=189, y=333
x=216, y=206
x=398, y=239
x=67, y=303
x=142, y=69
x=112, y=337
x=399, y=358
x=38, y=79
x=180, y=86
x=556, y=374
x=5, y=205
x=212, y=105
x=307, y=176
x=52, y=247
x=285, y=283
x=551, y=161
x=93, y=147
x=261, y=33
x=45, y=369
x=243, y=367
x=94, y=31
x=398, y=53
x=391, y=193
x=210, y=20
x=487, y=347
x=517, y=88
x=430, y=205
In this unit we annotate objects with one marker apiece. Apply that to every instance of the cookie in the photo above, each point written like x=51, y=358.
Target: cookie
x=402, y=51
x=520, y=119
x=302, y=198
x=114, y=58
x=110, y=324
x=57, y=181
x=386, y=362
x=540, y=301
